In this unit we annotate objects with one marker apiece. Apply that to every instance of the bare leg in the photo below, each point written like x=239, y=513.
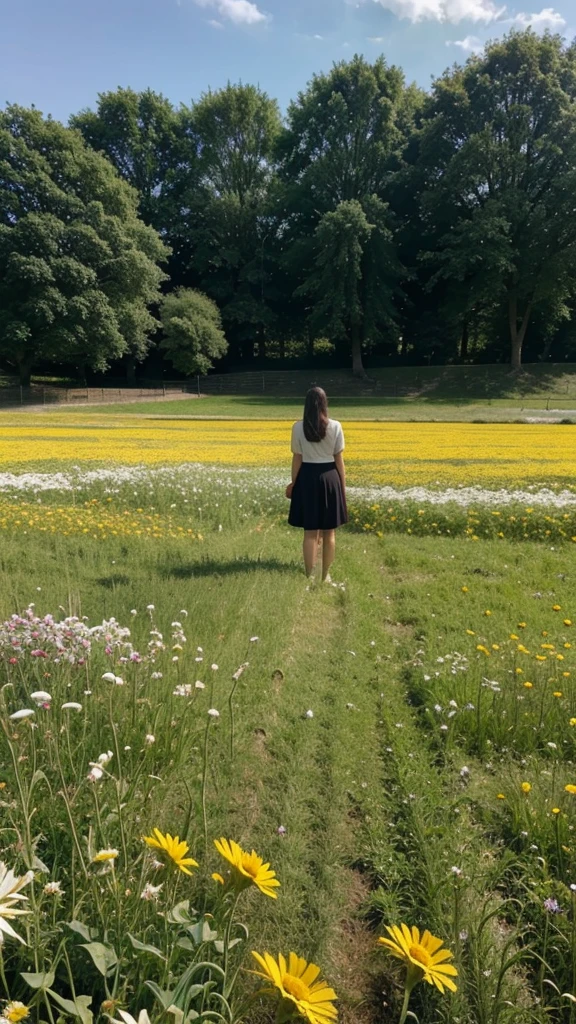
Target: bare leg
x=328, y=551
x=310, y=550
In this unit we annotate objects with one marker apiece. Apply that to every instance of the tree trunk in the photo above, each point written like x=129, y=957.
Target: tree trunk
x=464, y=339
x=357, y=364
x=130, y=366
x=25, y=374
x=517, y=332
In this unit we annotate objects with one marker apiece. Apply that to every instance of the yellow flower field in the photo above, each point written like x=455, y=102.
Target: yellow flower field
x=395, y=453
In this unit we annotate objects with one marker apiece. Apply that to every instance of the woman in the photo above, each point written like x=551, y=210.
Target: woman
x=318, y=489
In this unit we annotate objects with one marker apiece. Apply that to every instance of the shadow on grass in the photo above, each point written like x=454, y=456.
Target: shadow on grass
x=235, y=567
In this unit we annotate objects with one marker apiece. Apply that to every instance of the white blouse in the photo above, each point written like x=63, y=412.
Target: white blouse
x=318, y=451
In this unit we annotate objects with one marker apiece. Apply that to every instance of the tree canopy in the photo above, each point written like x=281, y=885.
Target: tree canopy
x=374, y=221
x=78, y=269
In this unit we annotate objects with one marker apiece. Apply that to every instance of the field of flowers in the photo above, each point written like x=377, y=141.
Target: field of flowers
x=229, y=795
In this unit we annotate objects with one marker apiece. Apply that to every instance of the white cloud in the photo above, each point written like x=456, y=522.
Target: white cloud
x=317, y=36
x=452, y=11
x=470, y=44
x=376, y=39
x=239, y=12
x=547, y=18
x=215, y=24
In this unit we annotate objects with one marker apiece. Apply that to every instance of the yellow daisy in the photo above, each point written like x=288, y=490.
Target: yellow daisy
x=15, y=1012
x=104, y=855
x=570, y=788
x=422, y=954
x=173, y=848
x=298, y=984
x=248, y=868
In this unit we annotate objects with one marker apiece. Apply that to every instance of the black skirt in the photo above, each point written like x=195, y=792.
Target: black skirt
x=318, y=502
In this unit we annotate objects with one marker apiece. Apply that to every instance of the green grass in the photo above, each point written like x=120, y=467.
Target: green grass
x=370, y=790
x=367, y=408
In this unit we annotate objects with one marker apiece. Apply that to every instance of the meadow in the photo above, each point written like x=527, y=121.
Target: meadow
x=397, y=746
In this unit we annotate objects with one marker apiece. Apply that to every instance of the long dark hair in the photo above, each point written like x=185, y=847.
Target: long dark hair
x=315, y=417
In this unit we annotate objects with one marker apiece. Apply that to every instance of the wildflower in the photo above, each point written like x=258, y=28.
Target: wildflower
x=15, y=1012
x=41, y=698
x=95, y=773
x=213, y=713
x=556, y=607
x=552, y=906
x=173, y=848
x=525, y=787
x=464, y=590
x=299, y=988
x=71, y=705
x=570, y=788
x=105, y=758
x=248, y=868
x=19, y=715
x=567, y=622
x=309, y=714
x=487, y=612
x=500, y=796
x=103, y=856
x=217, y=877
x=109, y=677
x=53, y=889
x=456, y=871
x=528, y=685
x=182, y=690
x=423, y=955
x=214, y=668
x=10, y=886
x=572, y=721
x=149, y=739
x=151, y=892
x=557, y=693
x=555, y=810
x=127, y=1018
x=281, y=830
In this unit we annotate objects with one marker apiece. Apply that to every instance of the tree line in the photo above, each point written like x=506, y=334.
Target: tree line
x=374, y=220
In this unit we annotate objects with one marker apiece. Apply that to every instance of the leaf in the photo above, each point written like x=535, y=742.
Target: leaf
x=81, y=929
x=104, y=957
x=39, y=865
x=219, y=944
x=145, y=948
x=201, y=932
x=78, y=1007
x=180, y=914
x=42, y=981
x=567, y=995
x=164, y=996
x=38, y=776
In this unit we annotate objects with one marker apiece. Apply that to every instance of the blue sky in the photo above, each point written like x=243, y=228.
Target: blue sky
x=58, y=54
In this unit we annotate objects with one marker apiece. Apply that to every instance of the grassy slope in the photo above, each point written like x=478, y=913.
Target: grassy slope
x=367, y=408
x=358, y=795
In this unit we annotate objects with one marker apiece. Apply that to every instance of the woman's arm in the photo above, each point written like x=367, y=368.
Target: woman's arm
x=296, y=463
x=339, y=460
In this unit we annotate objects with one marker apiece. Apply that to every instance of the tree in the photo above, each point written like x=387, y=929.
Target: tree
x=78, y=269
x=352, y=296
x=192, y=328
x=498, y=151
x=140, y=133
x=228, y=211
x=336, y=157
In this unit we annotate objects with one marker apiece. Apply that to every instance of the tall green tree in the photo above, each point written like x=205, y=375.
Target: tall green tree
x=140, y=133
x=192, y=329
x=338, y=149
x=229, y=209
x=78, y=268
x=498, y=153
x=353, y=278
